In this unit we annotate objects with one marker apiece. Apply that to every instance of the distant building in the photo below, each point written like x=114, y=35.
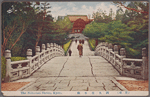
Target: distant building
x=79, y=22
x=61, y=17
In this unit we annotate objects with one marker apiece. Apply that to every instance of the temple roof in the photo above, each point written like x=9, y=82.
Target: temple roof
x=73, y=18
x=79, y=23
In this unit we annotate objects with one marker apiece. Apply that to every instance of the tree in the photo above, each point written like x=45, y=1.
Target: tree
x=119, y=14
x=101, y=17
x=16, y=18
x=111, y=14
x=140, y=7
x=117, y=33
x=41, y=20
x=62, y=28
x=140, y=28
x=95, y=30
x=136, y=18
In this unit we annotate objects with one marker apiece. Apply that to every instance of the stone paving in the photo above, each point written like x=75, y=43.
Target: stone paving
x=72, y=73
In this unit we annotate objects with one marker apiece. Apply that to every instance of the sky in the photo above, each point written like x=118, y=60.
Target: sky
x=79, y=8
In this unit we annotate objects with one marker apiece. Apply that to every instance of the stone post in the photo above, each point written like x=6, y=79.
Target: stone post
x=106, y=44
x=109, y=49
x=43, y=47
x=144, y=64
x=51, y=45
x=106, y=49
x=29, y=53
x=43, y=50
x=122, y=52
x=110, y=46
x=48, y=50
x=37, y=50
x=99, y=49
x=48, y=46
x=54, y=49
x=103, y=43
x=8, y=65
x=102, y=48
x=116, y=49
x=123, y=55
x=60, y=50
x=51, y=48
x=115, y=52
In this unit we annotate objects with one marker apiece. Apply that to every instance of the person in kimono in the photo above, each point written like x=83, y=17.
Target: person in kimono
x=76, y=41
x=80, y=48
x=70, y=52
x=82, y=41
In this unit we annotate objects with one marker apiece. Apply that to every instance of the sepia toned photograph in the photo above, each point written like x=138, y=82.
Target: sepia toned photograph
x=74, y=48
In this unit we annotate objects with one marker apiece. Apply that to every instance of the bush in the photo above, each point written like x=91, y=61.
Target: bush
x=17, y=58
x=3, y=67
x=132, y=53
x=92, y=44
x=66, y=46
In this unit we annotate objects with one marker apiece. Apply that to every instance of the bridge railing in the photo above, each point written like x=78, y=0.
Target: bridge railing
x=24, y=68
x=137, y=68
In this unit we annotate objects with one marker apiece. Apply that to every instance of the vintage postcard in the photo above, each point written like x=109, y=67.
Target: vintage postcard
x=74, y=48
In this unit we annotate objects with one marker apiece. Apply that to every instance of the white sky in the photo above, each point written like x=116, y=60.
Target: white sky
x=79, y=8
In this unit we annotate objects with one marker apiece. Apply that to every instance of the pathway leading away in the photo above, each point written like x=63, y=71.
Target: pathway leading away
x=86, y=49
x=72, y=73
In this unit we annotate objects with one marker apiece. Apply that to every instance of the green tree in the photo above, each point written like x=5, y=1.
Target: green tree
x=62, y=28
x=101, y=17
x=136, y=18
x=95, y=30
x=133, y=10
x=117, y=33
x=119, y=14
x=41, y=21
x=17, y=16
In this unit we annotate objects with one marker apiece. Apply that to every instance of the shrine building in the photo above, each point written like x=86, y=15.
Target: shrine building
x=79, y=22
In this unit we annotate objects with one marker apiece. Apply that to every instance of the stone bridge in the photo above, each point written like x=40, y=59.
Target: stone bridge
x=50, y=70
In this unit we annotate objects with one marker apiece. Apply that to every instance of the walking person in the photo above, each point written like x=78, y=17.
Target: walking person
x=80, y=48
x=82, y=41
x=70, y=52
x=76, y=41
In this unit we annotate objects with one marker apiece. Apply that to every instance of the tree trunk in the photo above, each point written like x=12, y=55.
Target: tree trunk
x=5, y=39
x=37, y=41
x=96, y=42
x=23, y=30
x=38, y=36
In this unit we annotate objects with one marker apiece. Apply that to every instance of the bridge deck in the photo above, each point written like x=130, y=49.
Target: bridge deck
x=88, y=73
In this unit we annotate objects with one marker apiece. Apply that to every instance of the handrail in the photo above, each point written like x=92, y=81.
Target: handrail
x=24, y=68
x=19, y=62
x=134, y=60
x=137, y=68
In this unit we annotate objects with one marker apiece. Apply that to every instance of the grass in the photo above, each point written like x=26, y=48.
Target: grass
x=92, y=43
x=18, y=58
x=66, y=46
x=3, y=67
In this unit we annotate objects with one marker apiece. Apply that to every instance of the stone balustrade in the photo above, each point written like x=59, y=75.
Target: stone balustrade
x=21, y=69
x=137, y=68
